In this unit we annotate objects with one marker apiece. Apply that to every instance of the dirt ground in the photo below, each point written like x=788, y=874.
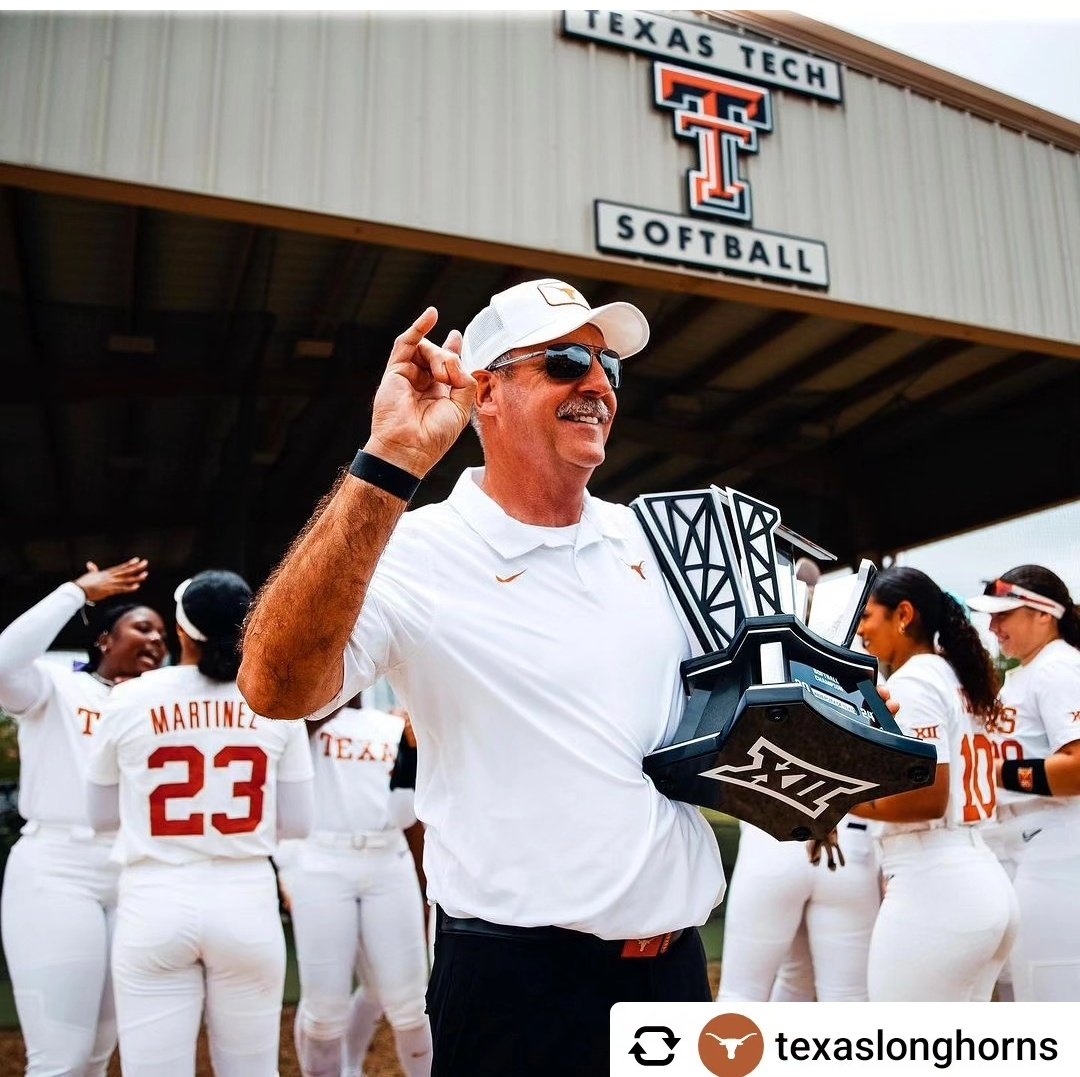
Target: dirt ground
x=381, y=1059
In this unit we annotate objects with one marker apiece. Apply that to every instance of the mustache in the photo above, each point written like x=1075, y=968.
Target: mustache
x=584, y=407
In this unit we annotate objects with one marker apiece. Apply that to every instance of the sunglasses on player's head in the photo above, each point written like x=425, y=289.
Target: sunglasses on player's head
x=1004, y=589
x=569, y=362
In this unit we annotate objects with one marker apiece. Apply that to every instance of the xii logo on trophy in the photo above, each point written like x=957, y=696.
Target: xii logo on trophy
x=777, y=773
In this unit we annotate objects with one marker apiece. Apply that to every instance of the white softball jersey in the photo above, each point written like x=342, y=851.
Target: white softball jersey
x=197, y=769
x=933, y=709
x=541, y=665
x=1040, y=710
x=352, y=756
x=57, y=710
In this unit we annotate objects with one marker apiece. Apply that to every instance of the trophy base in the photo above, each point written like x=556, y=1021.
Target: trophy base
x=790, y=763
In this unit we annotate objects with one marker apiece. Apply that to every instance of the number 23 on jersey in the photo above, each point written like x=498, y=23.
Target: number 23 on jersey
x=245, y=768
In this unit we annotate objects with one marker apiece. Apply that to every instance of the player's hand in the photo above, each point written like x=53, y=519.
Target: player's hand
x=894, y=707
x=101, y=583
x=831, y=847
x=423, y=401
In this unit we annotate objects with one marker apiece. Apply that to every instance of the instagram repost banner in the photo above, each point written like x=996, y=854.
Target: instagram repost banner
x=800, y=1039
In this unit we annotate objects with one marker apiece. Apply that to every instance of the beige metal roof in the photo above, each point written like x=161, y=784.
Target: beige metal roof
x=164, y=408
x=212, y=227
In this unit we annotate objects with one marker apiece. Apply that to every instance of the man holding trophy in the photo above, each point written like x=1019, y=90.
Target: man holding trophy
x=531, y=628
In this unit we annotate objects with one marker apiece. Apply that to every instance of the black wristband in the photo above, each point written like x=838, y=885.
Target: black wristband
x=1025, y=776
x=394, y=480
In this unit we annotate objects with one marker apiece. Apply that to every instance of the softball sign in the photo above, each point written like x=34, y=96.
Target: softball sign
x=715, y=85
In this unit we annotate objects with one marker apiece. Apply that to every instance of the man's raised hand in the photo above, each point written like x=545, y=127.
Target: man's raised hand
x=423, y=401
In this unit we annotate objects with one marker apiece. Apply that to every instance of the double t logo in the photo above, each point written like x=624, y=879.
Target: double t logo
x=724, y=116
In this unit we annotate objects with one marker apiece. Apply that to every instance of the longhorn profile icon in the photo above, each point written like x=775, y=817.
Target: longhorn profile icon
x=730, y=1043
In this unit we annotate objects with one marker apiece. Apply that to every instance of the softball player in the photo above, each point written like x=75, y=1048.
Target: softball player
x=202, y=787
x=948, y=917
x=59, y=893
x=1036, y=736
x=774, y=890
x=354, y=879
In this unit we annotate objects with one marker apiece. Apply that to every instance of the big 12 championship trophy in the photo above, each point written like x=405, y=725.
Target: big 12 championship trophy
x=784, y=726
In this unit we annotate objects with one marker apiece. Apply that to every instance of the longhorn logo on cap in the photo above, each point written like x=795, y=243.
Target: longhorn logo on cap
x=562, y=295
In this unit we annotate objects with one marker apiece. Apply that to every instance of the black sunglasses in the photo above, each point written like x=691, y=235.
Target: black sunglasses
x=569, y=362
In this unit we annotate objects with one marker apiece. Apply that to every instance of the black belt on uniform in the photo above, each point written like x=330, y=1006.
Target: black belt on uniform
x=653, y=946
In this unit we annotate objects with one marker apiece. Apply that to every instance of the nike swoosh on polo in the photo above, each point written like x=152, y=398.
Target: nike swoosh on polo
x=1027, y=835
x=510, y=579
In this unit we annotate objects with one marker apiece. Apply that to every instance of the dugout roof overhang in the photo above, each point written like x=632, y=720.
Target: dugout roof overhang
x=187, y=374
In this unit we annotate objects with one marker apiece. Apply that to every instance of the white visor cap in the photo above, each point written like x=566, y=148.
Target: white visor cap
x=182, y=618
x=993, y=604
x=544, y=310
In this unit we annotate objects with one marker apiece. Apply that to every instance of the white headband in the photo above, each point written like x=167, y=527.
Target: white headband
x=182, y=618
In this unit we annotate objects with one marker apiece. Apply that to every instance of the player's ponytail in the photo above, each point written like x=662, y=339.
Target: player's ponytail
x=961, y=647
x=1044, y=582
x=940, y=621
x=211, y=608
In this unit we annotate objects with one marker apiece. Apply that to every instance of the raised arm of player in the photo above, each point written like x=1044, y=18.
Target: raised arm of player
x=299, y=624
x=28, y=636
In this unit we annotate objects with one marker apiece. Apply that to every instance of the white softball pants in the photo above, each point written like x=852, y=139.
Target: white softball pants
x=947, y=921
x=203, y=936
x=773, y=888
x=339, y=896
x=1038, y=843
x=56, y=915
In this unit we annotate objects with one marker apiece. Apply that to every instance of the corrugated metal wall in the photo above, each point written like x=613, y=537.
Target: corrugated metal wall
x=495, y=126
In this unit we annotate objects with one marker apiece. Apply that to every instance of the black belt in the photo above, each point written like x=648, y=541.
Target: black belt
x=653, y=946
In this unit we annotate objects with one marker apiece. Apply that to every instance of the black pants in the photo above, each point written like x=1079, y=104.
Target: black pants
x=519, y=1007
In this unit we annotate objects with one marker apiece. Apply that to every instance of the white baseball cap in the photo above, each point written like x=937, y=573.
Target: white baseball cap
x=542, y=310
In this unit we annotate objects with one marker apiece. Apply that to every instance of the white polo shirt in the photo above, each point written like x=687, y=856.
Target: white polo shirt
x=540, y=666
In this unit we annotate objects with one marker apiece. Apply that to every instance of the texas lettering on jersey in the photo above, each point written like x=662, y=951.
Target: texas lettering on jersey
x=89, y=720
x=365, y=751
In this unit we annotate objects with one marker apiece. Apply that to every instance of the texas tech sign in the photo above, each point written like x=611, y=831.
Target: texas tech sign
x=716, y=86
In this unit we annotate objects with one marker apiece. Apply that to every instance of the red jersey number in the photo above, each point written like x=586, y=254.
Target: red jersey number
x=252, y=789
x=980, y=793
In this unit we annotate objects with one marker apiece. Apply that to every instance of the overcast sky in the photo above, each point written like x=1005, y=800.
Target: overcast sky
x=1029, y=51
